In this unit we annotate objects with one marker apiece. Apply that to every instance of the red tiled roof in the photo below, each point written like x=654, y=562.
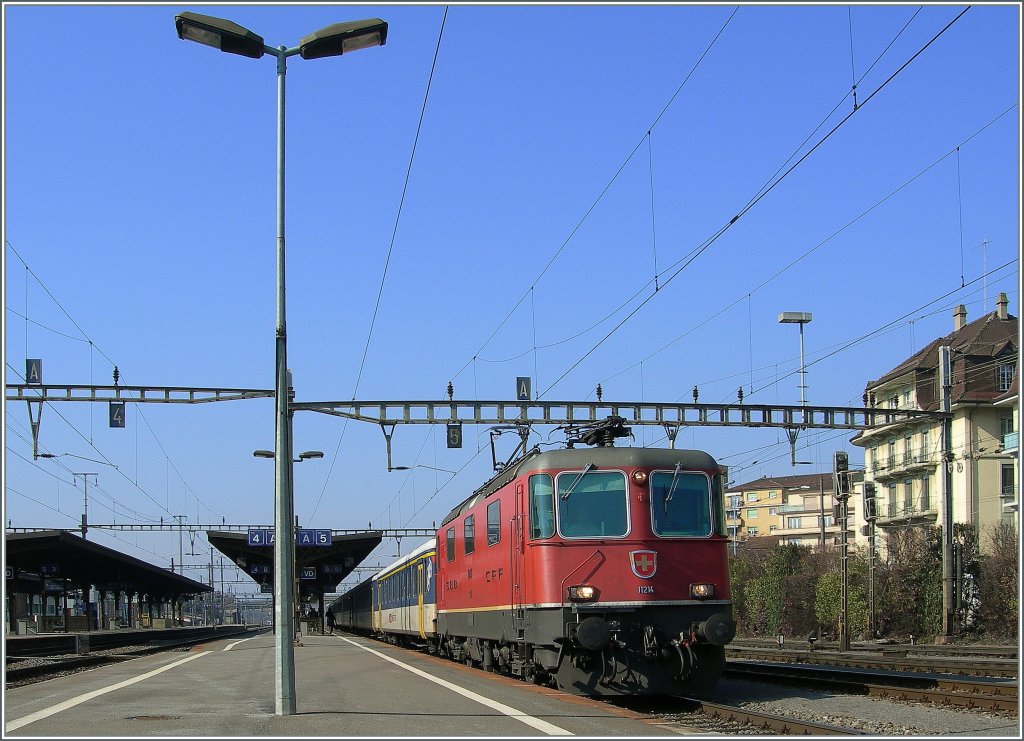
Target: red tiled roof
x=785, y=482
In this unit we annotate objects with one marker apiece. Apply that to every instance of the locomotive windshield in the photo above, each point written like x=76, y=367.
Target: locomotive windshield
x=681, y=503
x=591, y=504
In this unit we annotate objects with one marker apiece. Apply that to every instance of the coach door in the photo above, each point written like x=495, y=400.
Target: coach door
x=421, y=588
x=516, y=543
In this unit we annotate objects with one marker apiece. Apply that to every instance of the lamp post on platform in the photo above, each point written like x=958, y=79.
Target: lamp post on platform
x=330, y=41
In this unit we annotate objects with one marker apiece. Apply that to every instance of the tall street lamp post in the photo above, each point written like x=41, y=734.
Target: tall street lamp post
x=331, y=41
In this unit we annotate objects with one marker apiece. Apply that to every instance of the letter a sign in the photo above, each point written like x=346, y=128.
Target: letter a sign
x=34, y=370
x=522, y=388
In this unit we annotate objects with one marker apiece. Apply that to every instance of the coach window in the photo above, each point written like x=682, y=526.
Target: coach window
x=681, y=504
x=468, y=532
x=542, y=507
x=591, y=504
x=449, y=544
x=494, y=522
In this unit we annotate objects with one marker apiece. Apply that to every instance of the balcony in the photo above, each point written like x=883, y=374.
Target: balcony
x=900, y=466
x=895, y=518
x=1010, y=442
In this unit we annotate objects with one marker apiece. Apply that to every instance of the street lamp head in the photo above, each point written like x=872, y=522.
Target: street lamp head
x=263, y=453
x=219, y=33
x=311, y=454
x=344, y=37
x=795, y=317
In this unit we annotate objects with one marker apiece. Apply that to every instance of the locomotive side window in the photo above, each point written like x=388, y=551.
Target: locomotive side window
x=469, y=534
x=449, y=544
x=494, y=522
x=681, y=503
x=592, y=504
x=542, y=507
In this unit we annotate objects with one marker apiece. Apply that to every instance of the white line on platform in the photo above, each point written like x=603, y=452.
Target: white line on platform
x=67, y=704
x=540, y=725
x=232, y=645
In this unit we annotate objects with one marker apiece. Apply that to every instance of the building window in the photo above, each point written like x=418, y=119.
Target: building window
x=926, y=493
x=908, y=450
x=773, y=494
x=1008, y=487
x=925, y=450
x=894, y=401
x=751, y=514
x=828, y=521
x=751, y=531
x=773, y=510
x=906, y=398
x=732, y=514
x=734, y=531
x=772, y=528
x=892, y=500
x=908, y=496
x=1005, y=371
x=793, y=523
x=469, y=534
x=1006, y=425
x=735, y=501
x=892, y=454
x=494, y=522
x=751, y=496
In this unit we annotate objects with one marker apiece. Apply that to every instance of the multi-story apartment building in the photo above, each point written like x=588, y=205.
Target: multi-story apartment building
x=904, y=460
x=796, y=509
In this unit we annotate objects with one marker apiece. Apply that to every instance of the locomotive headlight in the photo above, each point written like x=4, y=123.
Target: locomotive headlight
x=640, y=478
x=702, y=590
x=582, y=593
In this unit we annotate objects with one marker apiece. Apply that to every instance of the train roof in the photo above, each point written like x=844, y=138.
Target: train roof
x=601, y=457
x=410, y=556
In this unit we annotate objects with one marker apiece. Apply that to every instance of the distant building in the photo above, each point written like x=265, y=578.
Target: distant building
x=904, y=459
x=794, y=509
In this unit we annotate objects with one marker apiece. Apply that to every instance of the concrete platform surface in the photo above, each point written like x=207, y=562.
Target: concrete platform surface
x=346, y=686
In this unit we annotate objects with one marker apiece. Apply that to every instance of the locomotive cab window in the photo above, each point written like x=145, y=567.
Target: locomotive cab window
x=469, y=533
x=494, y=522
x=542, y=507
x=592, y=504
x=449, y=544
x=681, y=503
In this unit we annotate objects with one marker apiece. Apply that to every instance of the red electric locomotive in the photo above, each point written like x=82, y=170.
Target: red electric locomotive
x=601, y=570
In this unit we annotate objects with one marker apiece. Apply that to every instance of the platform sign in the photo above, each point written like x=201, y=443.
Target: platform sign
x=454, y=434
x=522, y=388
x=53, y=585
x=259, y=568
x=260, y=536
x=8, y=572
x=323, y=538
x=266, y=588
x=332, y=568
x=49, y=569
x=308, y=572
x=33, y=370
x=116, y=413
x=305, y=537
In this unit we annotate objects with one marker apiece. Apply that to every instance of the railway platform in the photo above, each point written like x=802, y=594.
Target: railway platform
x=346, y=686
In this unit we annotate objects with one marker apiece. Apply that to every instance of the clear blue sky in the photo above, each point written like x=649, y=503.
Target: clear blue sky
x=139, y=191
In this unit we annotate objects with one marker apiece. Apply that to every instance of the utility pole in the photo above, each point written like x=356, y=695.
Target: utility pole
x=821, y=505
x=841, y=475
x=85, y=508
x=945, y=405
x=181, y=550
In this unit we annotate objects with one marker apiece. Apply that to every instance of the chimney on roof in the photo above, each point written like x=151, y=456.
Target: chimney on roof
x=959, y=318
x=1001, y=305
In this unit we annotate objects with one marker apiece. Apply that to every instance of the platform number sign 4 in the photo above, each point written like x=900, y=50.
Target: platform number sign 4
x=116, y=414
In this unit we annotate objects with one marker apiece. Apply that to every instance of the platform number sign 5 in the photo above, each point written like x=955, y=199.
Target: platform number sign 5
x=455, y=435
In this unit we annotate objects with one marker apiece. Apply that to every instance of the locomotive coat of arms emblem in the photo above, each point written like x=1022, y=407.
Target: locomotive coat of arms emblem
x=643, y=563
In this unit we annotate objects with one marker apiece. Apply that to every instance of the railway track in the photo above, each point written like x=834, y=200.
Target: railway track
x=752, y=720
x=902, y=659
x=916, y=687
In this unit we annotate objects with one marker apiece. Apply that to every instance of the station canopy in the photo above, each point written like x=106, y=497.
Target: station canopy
x=320, y=564
x=50, y=560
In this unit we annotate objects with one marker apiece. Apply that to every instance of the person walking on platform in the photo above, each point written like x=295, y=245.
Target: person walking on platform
x=330, y=621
